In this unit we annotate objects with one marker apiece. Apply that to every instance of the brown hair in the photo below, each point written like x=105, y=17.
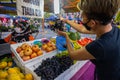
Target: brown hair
x=101, y=10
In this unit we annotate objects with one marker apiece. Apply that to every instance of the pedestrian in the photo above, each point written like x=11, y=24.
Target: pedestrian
x=105, y=50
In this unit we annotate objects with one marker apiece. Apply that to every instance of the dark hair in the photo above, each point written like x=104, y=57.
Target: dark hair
x=101, y=10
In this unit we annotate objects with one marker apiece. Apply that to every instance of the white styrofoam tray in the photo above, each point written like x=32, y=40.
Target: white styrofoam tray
x=14, y=47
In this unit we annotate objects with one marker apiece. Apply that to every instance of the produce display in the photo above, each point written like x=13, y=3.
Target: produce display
x=53, y=67
x=9, y=71
x=74, y=35
x=84, y=41
x=53, y=40
x=117, y=18
x=49, y=68
x=76, y=45
x=27, y=52
x=49, y=46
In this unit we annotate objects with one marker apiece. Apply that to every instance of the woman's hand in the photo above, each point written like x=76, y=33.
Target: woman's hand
x=63, y=19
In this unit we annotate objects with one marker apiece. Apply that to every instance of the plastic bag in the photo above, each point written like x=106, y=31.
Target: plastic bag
x=61, y=43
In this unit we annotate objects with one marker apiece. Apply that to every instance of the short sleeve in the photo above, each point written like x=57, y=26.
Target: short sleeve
x=96, y=49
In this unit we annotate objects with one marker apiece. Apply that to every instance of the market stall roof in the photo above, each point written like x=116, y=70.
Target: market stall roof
x=9, y=6
x=5, y=16
x=70, y=5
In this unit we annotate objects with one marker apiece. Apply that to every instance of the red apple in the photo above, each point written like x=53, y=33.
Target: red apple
x=35, y=48
x=44, y=46
x=21, y=53
x=18, y=49
x=49, y=44
x=39, y=53
x=49, y=49
x=25, y=58
x=28, y=51
x=54, y=47
x=25, y=45
x=33, y=55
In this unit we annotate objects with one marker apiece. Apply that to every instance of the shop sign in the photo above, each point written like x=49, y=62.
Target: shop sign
x=30, y=8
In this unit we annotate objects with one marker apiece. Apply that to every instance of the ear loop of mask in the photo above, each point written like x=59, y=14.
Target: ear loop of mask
x=86, y=26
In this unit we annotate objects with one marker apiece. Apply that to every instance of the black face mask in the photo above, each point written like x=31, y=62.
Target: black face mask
x=86, y=26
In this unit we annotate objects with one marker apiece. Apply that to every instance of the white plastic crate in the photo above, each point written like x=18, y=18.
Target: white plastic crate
x=66, y=75
x=30, y=65
x=69, y=73
x=14, y=47
x=25, y=69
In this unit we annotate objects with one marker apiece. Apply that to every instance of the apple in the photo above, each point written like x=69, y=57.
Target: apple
x=28, y=51
x=35, y=48
x=18, y=49
x=39, y=53
x=44, y=46
x=25, y=45
x=54, y=47
x=49, y=44
x=33, y=55
x=25, y=58
x=21, y=53
x=49, y=49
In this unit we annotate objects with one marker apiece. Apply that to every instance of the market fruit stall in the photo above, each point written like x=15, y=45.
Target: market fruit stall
x=50, y=64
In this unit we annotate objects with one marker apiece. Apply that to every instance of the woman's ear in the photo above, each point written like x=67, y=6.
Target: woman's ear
x=92, y=23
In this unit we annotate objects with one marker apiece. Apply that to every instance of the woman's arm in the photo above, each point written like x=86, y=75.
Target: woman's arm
x=80, y=54
x=79, y=27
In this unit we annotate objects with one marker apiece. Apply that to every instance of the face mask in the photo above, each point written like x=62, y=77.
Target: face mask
x=86, y=26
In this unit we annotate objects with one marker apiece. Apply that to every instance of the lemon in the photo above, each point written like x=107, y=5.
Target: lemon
x=12, y=71
x=3, y=65
x=28, y=77
x=14, y=77
x=10, y=64
x=21, y=75
x=17, y=69
x=3, y=74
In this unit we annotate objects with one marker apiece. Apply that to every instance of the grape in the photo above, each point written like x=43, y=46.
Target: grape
x=53, y=67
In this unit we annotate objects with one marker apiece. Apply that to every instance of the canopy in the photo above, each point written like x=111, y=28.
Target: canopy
x=52, y=18
x=5, y=16
x=9, y=6
x=70, y=5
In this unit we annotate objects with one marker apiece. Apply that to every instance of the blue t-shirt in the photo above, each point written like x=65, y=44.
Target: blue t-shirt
x=106, y=50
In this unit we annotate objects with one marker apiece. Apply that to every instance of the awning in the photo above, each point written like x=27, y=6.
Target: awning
x=48, y=5
x=70, y=5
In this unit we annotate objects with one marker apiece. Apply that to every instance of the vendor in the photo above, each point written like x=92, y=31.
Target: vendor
x=105, y=50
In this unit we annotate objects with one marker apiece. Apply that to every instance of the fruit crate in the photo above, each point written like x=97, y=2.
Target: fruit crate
x=25, y=69
x=14, y=47
x=66, y=75
x=69, y=73
x=63, y=76
x=31, y=66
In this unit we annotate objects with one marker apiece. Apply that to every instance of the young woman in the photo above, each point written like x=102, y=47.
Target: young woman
x=97, y=16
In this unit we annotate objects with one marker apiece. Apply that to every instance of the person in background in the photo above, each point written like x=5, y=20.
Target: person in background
x=105, y=50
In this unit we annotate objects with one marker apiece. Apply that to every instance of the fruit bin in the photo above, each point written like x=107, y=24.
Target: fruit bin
x=25, y=69
x=14, y=47
x=63, y=76
x=32, y=64
x=69, y=73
